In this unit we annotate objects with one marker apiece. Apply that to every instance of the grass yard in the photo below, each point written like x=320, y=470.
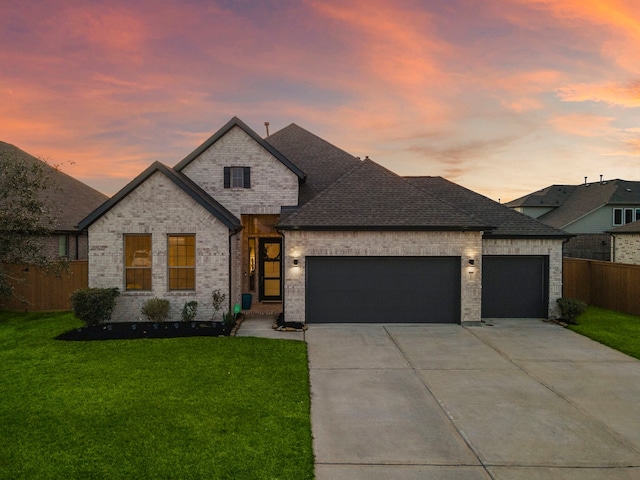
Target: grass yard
x=183, y=408
x=617, y=330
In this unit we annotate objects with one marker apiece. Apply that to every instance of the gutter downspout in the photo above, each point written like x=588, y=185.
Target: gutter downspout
x=613, y=247
x=233, y=233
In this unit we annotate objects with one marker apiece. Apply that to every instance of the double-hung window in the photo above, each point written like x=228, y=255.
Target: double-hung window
x=622, y=216
x=237, y=177
x=138, y=262
x=181, y=262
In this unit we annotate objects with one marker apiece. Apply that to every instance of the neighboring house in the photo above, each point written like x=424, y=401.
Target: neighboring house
x=296, y=221
x=625, y=243
x=69, y=201
x=588, y=211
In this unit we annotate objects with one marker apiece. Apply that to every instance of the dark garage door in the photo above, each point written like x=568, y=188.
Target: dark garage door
x=383, y=289
x=515, y=286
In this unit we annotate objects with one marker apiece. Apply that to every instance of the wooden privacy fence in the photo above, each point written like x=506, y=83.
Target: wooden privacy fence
x=614, y=286
x=46, y=291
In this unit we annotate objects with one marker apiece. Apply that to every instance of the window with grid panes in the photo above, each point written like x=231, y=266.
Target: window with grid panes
x=181, y=261
x=137, y=261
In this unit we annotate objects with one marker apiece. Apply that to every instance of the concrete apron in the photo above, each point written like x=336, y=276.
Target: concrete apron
x=522, y=399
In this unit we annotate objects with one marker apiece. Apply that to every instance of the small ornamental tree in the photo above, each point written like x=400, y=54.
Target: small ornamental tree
x=24, y=215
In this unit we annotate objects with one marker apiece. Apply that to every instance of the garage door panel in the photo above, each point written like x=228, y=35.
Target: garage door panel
x=383, y=289
x=515, y=286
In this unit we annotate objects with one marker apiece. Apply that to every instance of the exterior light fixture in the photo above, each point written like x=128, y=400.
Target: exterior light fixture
x=472, y=262
x=295, y=262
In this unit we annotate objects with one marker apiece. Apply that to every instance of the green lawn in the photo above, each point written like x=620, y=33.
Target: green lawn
x=617, y=330
x=205, y=407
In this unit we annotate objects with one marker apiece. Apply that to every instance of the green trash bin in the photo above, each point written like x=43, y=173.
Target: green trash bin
x=246, y=301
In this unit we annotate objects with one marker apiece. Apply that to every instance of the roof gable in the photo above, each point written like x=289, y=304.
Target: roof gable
x=508, y=222
x=183, y=182
x=370, y=197
x=236, y=122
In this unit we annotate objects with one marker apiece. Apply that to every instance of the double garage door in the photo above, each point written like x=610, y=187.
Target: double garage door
x=383, y=289
x=420, y=289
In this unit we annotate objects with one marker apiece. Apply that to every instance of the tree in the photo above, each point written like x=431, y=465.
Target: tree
x=24, y=215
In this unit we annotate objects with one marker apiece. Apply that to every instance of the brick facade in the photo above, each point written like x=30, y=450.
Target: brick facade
x=273, y=185
x=299, y=244
x=546, y=247
x=158, y=207
x=626, y=248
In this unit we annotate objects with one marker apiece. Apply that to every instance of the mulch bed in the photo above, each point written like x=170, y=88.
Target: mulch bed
x=131, y=330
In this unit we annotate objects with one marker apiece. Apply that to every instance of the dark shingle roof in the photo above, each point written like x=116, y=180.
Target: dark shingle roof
x=183, y=182
x=633, y=227
x=572, y=202
x=236, y=122
x=509, y=223
x=69, y=200
x=370, y=197
x=322, y=162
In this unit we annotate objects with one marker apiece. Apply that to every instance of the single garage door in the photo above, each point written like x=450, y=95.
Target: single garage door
x=383, y=289
x=515, y=286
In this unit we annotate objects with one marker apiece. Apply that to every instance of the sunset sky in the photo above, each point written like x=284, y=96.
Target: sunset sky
x=501, y=96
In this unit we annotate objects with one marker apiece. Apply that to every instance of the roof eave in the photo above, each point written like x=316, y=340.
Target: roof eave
x=236, y=122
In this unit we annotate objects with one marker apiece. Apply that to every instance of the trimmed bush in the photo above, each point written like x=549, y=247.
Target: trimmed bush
x=571, y=309
x=189, y=311
x=156, y=309
x=230, y=320
x=94, y=305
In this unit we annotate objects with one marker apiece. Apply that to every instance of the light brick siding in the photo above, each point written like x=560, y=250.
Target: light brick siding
x=158, y=207
x=626, y=249
x=299, y=244
x=272, y=184
x=552, y=248
x=76, y=244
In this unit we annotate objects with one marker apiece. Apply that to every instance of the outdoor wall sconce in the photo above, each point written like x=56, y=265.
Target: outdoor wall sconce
x=295, y=262
x=472, y=262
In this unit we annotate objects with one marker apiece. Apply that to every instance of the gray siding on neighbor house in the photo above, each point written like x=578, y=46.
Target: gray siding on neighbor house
x=273, y=185
x=300, y=244
x=533, y=212
x=550, y=247
x=158, y=207
x=597, y=221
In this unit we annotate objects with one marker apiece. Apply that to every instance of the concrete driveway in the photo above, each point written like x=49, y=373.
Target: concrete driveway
x=522, y=399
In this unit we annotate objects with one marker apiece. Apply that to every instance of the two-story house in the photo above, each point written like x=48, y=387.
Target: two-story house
x=588, y=211
x=296, y=221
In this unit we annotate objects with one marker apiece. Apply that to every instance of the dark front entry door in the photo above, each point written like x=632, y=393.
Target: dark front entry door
x=270, y=269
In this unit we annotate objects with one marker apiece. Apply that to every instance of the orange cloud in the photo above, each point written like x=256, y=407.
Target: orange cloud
x=611, y=93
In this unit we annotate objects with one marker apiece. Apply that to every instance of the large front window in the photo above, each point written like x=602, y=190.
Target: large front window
x=182, y=262
x=137, y=261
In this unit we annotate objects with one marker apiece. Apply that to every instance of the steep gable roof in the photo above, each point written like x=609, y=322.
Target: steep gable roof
x=509, y=222
x=323, y=162
x=236, y=122
x=370, y=197
x=182, y=181
x=572, y=202
x=69, y=200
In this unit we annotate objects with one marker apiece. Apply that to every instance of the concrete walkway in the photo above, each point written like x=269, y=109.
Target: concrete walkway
x=522, y=399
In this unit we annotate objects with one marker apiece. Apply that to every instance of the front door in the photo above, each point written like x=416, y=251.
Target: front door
x=270, y=257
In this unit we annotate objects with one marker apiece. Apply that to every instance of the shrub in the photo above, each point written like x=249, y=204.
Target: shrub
x=230, y=320
x=94, y=305
x=156, y=309
x=218, y=299
x=189, y=311
x=571, y=308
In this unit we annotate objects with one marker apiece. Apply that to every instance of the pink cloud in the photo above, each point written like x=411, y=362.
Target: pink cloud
x=610, y=93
